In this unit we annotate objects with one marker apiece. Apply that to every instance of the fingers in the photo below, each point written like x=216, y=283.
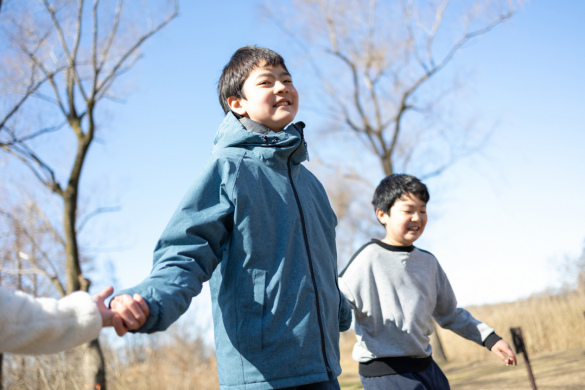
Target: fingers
x=100, y=297
x=512, y=358
x=133, y=311
x=105, y=313
x=118, y=325
x=143, y=305
x=501, y=349
x=106, y=292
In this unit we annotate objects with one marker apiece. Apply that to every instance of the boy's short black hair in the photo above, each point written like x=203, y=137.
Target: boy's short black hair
x=394, y=187
x=237, y=70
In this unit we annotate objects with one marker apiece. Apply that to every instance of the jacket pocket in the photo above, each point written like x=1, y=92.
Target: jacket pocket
x=250, y=334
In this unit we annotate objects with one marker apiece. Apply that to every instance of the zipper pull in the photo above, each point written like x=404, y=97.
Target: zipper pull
x=307, y=150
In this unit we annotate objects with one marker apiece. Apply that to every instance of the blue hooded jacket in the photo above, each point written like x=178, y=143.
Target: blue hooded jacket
x=258, y=225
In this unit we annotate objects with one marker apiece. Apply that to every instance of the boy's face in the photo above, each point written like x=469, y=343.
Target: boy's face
x=270, y=98
x=406, y=222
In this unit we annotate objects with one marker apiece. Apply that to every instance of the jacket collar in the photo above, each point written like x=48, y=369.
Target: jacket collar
x=273, y=148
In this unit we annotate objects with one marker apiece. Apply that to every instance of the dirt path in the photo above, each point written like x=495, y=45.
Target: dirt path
x=563, y=370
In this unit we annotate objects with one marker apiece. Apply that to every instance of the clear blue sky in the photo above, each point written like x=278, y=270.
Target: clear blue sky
x=500, y=222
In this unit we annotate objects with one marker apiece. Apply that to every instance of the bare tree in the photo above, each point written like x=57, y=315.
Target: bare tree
x=382, y=65
x=60, y=63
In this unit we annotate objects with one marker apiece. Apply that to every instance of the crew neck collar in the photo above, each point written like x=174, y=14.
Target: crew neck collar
x=393, y=248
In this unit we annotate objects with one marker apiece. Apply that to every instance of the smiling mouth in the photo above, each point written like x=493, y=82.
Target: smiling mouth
x=282, y=103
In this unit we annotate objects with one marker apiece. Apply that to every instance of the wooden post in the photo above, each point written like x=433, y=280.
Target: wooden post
x=521, y=348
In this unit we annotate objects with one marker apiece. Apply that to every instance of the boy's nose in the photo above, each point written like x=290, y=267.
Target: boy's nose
x=280, y=87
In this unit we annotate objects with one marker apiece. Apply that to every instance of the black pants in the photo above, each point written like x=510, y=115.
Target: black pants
x=430, y=379
x=329, y=385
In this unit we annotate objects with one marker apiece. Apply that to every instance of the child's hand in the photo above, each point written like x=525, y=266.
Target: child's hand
x=107, y=314
x=501, y=349
x=132, y=313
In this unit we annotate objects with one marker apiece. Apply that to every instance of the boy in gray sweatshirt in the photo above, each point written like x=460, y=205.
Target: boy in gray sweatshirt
x=397, y=289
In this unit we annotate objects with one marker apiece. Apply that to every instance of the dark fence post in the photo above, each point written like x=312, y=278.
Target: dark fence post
x=521, y=348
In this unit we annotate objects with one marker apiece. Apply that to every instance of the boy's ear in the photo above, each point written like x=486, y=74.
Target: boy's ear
x=236, y=105
x=382, y=216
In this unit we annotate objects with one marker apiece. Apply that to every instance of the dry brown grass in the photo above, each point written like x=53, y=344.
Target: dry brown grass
x=175, y=360
x=553, y=327
x=549, y=323
x=552, y=371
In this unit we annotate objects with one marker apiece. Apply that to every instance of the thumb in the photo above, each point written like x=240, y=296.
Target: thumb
x=106, y=292
x=100, y=297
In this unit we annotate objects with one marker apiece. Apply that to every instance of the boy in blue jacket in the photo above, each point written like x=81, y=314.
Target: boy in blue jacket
x=258, y=225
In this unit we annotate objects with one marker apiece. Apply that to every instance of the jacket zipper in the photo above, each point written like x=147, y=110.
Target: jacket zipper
x=306, y=239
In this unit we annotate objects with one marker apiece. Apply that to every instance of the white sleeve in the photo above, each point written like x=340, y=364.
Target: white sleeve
x=30, y=325
x=348, y=293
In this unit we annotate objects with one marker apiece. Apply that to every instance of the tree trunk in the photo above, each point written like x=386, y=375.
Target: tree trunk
x=72, y=268
x=387, y=165
x=93, y=366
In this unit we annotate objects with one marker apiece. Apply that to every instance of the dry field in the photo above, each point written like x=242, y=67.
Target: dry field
x=553, y=328
x=552, y=371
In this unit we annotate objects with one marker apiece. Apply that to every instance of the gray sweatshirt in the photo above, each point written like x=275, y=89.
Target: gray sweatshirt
x=395, y=293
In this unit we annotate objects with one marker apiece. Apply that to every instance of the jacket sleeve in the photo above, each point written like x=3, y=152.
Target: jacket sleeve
x=190, y=247
x=30, y=325
x=454, y=318
x=344, y=314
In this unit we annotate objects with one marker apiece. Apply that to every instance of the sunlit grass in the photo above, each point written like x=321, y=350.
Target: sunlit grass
x=553, y=327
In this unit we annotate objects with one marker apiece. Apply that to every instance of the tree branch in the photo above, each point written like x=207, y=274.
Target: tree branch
x=98, y=211
x=104, y=84
x=20, y=140
x=37, y=271
x=30, y=159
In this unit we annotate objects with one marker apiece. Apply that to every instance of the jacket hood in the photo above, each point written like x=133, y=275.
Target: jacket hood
x=275, y=148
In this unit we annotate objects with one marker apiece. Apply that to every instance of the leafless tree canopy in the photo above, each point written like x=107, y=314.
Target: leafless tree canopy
x=380, y=63
x=62, y=59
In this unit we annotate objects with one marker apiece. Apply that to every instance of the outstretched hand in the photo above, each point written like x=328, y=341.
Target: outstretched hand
x=132, y=313
x=504, y=352
x=107, y=314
